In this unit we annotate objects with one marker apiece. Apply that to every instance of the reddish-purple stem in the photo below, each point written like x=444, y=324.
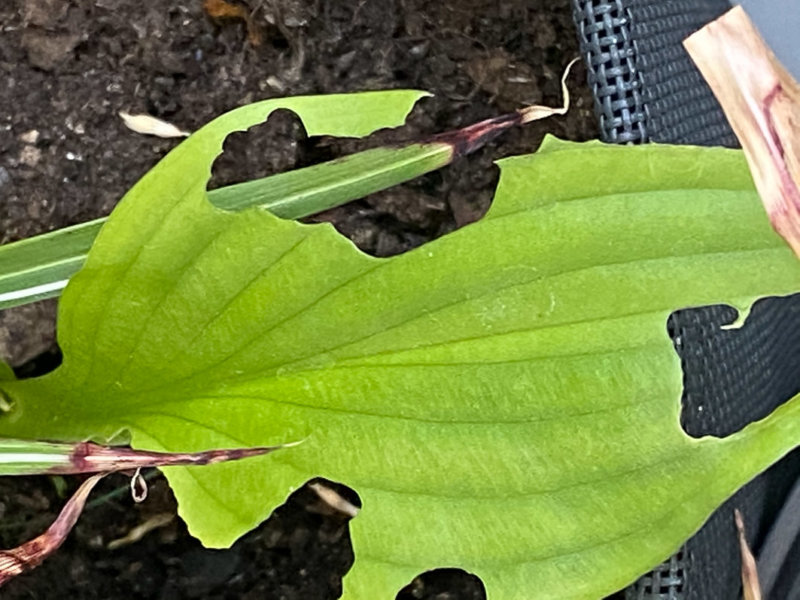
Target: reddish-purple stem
x=93, y=458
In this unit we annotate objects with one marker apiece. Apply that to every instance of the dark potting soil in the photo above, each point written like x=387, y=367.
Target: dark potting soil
x=69, y=66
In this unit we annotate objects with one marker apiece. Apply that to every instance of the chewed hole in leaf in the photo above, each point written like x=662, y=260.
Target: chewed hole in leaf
x=310, y=530
x=382, y=219
x=281, y=144
x=393, y=221
x=444, y=583
x=733, y=376
x=266, y=149
x=41, y=364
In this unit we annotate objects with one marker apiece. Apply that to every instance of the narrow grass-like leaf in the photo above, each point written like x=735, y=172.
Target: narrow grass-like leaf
x=504, y=399
x=40, y=267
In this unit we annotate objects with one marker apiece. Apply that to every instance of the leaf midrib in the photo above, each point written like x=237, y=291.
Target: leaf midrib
x=191, y=378
x=143, y=410
x=124, y=368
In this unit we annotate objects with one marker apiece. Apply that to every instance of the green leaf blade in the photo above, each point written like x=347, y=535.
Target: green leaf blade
x=504, y=399
x=6, y=372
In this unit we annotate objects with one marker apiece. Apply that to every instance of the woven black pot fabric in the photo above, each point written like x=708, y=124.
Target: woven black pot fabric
x=646, y=89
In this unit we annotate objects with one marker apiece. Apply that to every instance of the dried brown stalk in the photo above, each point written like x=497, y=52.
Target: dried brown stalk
x=750, y=585
x=32, y=553
x=762, y=103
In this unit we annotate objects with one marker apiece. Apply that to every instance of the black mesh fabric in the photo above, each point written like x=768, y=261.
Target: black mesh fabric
x=679, y=106
x=664, y=582
x=733, y=377
x=604, y=29
x=646, y=88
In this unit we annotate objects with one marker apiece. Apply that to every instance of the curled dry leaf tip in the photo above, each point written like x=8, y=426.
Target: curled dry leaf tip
x=139, y=487
x=536, y=112
x=468, y=139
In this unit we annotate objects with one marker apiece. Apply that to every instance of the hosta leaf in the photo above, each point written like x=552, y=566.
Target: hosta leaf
x=6, y=372
x=504, y=399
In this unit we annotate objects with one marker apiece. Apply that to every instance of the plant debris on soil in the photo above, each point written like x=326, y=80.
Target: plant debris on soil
x=70, y=66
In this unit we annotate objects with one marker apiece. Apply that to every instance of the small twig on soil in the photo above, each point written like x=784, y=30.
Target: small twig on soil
x=137, y=533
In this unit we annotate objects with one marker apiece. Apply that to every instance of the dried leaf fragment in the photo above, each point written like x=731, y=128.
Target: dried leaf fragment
x=762, y=103
x=21, y=457
x=149, y=125
x=470, y=138
x=30, y=554
x=222, y=9
x=750, y=585
x=335, y=500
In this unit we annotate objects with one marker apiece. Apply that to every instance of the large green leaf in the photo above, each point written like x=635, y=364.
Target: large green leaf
x=504, y=399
